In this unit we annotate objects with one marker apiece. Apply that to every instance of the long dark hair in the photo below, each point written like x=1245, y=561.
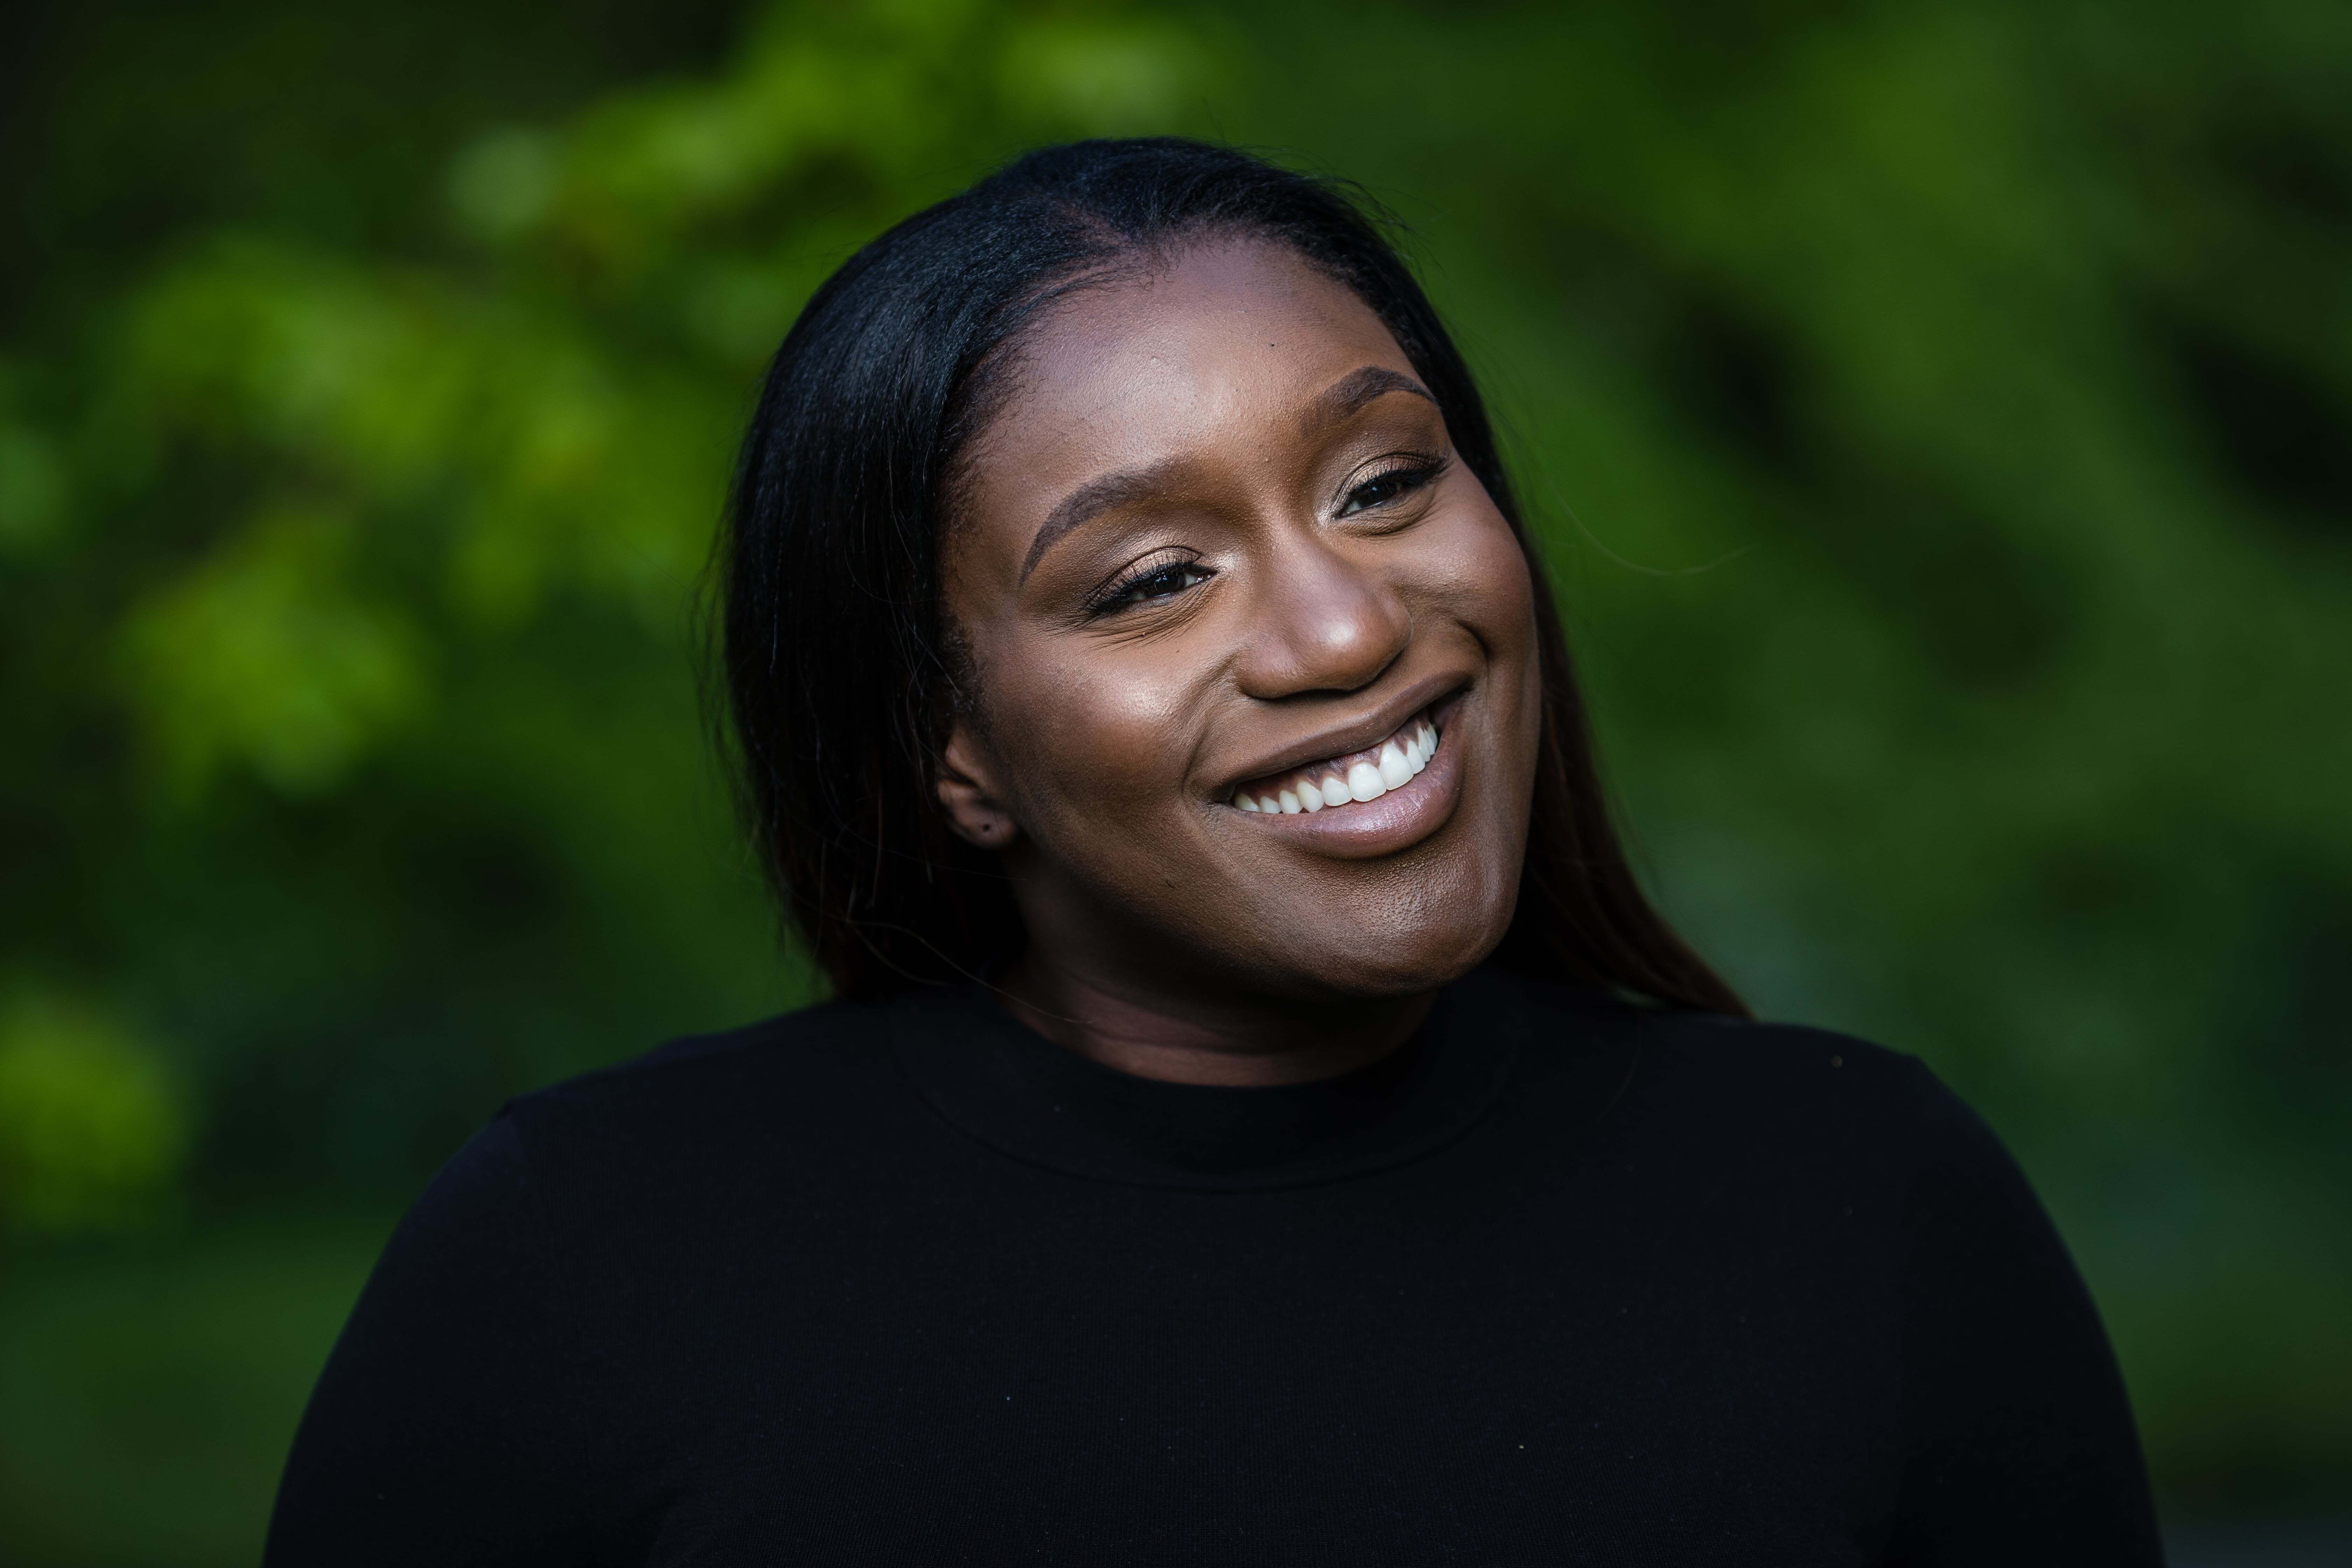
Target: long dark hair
x=839, y=667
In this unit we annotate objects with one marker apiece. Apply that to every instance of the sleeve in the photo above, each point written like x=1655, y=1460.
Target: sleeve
x=2020, y=1446
x=437, y=1432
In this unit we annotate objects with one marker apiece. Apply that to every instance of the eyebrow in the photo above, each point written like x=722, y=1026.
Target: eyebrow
x=1352, y=391
x=1343, y=397
x=1094, y=498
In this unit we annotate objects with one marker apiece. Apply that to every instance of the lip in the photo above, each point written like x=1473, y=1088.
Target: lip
x=1399, y=819
x=1434, y=691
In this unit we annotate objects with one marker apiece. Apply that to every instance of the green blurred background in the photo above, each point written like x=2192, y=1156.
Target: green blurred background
x=1939, y=417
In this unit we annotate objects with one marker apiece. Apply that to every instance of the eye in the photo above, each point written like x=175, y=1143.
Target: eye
x=1164, y=581
x=1387, y=486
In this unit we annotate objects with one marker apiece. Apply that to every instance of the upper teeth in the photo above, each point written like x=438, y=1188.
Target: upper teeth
x=1367, y=777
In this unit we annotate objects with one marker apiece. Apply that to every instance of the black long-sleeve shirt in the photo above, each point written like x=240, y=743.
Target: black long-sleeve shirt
x=1560, y=1281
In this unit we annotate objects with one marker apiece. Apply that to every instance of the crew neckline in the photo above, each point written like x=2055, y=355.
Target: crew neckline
x=1003, y=1085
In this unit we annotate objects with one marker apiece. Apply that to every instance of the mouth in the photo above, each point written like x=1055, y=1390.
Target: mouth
x=1350, y=779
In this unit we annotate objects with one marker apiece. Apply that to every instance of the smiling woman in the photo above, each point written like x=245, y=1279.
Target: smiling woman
x=1262, y=1120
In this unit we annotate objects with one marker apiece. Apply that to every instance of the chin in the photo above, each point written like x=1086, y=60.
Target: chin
x=1388, y=962
x=1420, y=927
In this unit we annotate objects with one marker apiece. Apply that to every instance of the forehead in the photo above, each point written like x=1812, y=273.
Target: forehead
x=1232, y=334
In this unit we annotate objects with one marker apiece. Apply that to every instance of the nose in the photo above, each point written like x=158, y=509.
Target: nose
x=1321, y=623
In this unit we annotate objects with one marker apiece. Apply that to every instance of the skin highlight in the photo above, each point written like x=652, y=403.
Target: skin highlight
x=1213, y=531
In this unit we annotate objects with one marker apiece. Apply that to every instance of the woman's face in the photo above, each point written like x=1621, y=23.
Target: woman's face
x=1254, y=653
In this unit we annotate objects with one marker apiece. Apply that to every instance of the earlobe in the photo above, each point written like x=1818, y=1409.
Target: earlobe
x=967, y=791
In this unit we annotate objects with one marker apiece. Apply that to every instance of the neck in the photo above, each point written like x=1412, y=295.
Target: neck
x=1200, y=1037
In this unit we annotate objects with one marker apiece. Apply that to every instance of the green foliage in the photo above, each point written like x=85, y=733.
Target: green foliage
x=92, y=1129
x=148, y=1392
x=264, y=657
x=1939, y=417
x=32, y=491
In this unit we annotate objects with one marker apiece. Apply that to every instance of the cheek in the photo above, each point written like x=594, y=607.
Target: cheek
x=1092, y=743
x=1506, y=596
x=1490, y=592
x=1483, y=581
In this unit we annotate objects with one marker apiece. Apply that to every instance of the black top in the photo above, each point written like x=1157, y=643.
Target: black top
x=1560, y=1281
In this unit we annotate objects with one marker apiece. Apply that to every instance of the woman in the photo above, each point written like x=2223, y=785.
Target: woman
x=1261, y=1121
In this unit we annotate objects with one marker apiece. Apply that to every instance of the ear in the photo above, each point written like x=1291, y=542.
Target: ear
x=967, y=789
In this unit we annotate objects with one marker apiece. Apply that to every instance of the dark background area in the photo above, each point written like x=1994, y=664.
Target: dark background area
x=1938, y=417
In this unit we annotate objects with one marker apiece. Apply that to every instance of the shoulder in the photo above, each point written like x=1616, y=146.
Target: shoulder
x=1759, y=1129
x=1795, y=1070
x=1708, y=1056
x=706, y=1121
x=1747, y=1089
x=786, y=1066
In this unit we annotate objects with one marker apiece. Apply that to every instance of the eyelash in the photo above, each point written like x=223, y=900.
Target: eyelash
x=1416, y=472
x=1121, y=595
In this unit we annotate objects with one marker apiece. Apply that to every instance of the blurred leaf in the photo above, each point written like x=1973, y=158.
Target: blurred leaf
x=32, y=489
x=263, y=657
x=92, y=1129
